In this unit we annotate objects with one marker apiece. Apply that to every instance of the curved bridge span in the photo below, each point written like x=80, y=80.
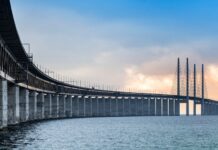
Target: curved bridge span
x=27, y=94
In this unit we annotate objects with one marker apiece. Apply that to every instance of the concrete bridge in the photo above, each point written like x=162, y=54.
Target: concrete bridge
x=28, y=94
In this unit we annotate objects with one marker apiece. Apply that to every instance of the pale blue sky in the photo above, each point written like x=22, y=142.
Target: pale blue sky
x=118, y=41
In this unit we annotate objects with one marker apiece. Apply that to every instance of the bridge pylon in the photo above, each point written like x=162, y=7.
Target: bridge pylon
x=178, y=82
x=202, y=90
x=194, y=92
x=187, y=87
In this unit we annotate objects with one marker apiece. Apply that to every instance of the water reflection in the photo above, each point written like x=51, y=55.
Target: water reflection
x=127, y=133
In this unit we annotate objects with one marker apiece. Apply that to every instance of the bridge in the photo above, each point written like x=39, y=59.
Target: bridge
x=29, y=94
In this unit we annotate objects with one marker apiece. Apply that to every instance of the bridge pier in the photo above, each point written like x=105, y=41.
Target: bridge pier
x=152, y=106
x=113, y=106
x=171, y=107
x=145, y=106
x=3, y=103
x=139, y=107
x=32, y=107
x=88, y=106
x=120, y=106
x=177, y=107
x=48, y=106
x=107, y=107
x=74, y=106
x=54, y=106
x=81, y=106
x=165, y=107
x=68, y=106
x=158, y=107
x=24, y=105
x=13, y=104
x=94, y=106
x=101, y=104
x=40, y=106
x=61, y=110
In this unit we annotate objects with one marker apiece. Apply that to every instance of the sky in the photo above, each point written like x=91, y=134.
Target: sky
x=127, y=44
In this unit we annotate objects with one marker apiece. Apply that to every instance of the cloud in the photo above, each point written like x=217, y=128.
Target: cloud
x=125, y=54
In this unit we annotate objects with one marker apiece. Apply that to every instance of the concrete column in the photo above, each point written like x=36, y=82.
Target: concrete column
x=120, y=107
x=40, y=106
x=17, y=107
x=58, y=105
x=133, y=107
x=101, y=106
x=155, y=106
x=32, y=102
x=94, y=107
x=104, y=106
x=149, y=106
x=88, y=105
x=47, y=106
x=24, y=105
x=152, y=107
x=205, y=108
x=177, y=107
x=171, y=107
x=61, y=110
x=126, y=106
x=81, y=106
x=165, y=107
x=55, y=106
x=158, y=107
x=71, y=103
x=35, y=105
x=145, y=106
x=68, y=106
x=3, y=103
x=13, y=104
x=113, y=107
x=75, y=106
x=98, y=107
x=107, y=107
x=139, y=106
x=216, y=109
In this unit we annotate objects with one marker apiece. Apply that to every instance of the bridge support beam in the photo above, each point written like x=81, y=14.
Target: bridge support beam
x=3, y=103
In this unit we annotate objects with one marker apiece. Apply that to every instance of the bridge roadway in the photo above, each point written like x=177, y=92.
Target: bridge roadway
x=27, y=94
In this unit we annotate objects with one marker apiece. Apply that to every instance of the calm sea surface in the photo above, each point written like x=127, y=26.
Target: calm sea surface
x=127, y=133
